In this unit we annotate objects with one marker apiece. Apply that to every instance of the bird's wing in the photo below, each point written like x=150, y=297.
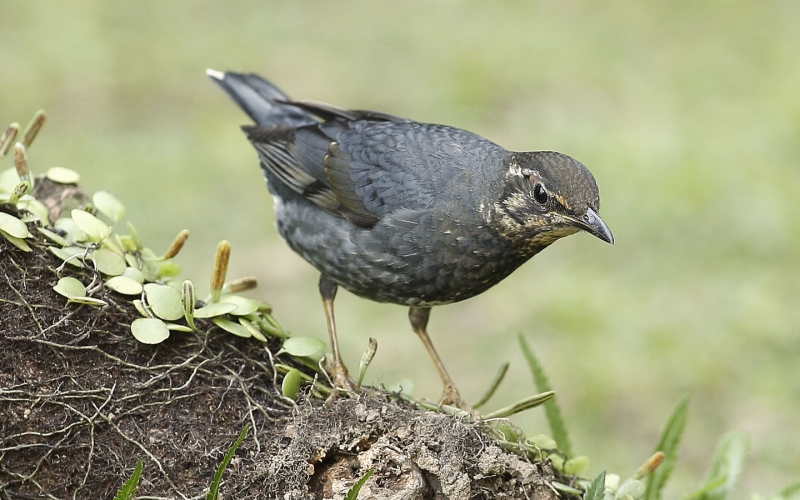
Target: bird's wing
x=362, y=165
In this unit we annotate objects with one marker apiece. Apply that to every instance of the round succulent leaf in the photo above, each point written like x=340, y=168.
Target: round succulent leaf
x=254, y=331
x=290, y=386
x=37, y=208
x=50, y=235
x=13, y=226
x=124, y=285
x=108, y=205
x=114, y=244
x=168, y=269
x=134, y=274
x=29, y=218
x=174, y=327
x=150, y=270
x=231, y=327
x=63, y=175
x=575, y=465
x=127, y=243
x=148, y=254
x=149, y=330
x=17, y=242
x=8, y=180
x=70, y=287
x=307, y=347
x=73, y=232
x=94, y=228
x=165, y=301
x=212, y=310
x=244, y=306
x=132, y=261
x=67, y=254
x=542, y=441
x=88, y=301
x=632, y=487
x=108, y=262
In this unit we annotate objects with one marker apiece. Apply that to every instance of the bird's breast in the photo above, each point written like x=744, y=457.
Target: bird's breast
x=410, y=257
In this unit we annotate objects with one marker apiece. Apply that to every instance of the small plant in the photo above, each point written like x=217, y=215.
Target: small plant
x=129, y=488
x=352, y=493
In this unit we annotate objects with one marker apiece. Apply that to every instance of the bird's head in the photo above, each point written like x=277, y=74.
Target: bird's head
x=547, y=196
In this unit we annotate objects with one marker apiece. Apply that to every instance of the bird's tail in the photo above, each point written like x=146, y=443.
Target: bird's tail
x=264, y=102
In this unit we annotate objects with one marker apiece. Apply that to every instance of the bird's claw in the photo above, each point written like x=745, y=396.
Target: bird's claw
x=451, y=397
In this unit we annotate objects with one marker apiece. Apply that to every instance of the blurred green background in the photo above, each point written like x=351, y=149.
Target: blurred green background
x=688, y=114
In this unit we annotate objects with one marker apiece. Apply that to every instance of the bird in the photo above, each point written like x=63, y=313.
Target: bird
x=409, y=213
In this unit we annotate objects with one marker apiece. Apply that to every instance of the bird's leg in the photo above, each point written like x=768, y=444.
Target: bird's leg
x=327, y=289
x=419, y=322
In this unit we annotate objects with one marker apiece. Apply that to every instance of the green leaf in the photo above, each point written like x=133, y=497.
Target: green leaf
x=124, y=285
x=165, y=301
x=632, y=488
x=95, y=229
x=596, y=490
x=522, y=405
x=788, y=492
x=213, y=491
x=69, y=254
x=727, y=463
x=90, y=301
x=668, y=444
x=231, y=327
x=8, y=180
x=134, y=274
x=307, y=347
x=254, y=331
x=168, y=269
x=134, y=235
x=73, y=232
x=244, y=306
x=37, y=208
x=575, y=465
x=290, y=386
x=543, y=441
x=50, y=235
x=128, y=489
x=108, y=262
x=17, y=242
x=551, y=409
x=63, y=175
x=108, y=205
x=13, y=226
x=174, y=327
x=352, y=493
x=149, y=330
x=211, y=310
x=70, y=287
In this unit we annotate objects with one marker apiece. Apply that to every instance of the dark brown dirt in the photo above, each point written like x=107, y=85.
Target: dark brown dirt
x=81, y=400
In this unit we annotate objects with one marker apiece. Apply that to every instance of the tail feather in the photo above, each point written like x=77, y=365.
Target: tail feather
x=264, y=102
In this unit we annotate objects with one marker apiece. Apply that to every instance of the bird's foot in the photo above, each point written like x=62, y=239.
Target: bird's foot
x=341, y=382
x=451, y=397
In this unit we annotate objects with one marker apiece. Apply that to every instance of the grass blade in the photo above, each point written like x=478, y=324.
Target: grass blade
x=551, y=409
x=667, y=444
x=727, y=463
x=213, y=491
x=352, y=493
x=791, y=491
x=129, y=488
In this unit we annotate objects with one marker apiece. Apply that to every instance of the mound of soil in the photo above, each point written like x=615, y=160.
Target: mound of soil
x=81, y=400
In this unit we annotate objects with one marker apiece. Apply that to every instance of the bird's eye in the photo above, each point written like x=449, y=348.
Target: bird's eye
x=540, y=194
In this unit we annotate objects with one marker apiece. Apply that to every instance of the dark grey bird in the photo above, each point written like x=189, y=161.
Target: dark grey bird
x=404, y=212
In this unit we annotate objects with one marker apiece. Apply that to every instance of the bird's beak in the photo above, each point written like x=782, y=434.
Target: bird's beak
x=593, y=224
